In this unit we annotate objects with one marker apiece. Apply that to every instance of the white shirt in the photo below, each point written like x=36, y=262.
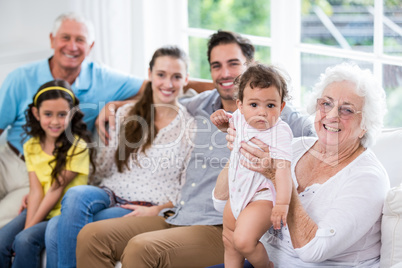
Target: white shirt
x=347, y=209
x=160, y=176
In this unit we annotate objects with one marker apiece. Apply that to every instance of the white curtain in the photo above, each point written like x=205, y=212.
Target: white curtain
x=113, y=31
x=128, y=31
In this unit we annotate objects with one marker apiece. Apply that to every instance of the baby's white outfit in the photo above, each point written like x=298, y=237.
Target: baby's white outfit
x=244, y=184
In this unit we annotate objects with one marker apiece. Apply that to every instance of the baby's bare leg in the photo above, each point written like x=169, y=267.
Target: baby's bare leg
x=232, y=257
x=251, y=224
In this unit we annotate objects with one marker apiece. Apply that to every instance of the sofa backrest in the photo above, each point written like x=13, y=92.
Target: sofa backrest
x=388, y=149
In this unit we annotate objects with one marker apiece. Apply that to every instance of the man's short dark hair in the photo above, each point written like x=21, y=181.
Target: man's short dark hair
x=226, y=37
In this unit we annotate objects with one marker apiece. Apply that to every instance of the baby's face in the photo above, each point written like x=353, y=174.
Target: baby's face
x=261, y=107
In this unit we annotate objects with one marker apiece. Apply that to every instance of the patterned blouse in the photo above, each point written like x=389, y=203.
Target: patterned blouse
x=161, y=171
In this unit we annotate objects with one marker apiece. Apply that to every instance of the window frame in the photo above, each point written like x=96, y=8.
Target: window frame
x=285, y=37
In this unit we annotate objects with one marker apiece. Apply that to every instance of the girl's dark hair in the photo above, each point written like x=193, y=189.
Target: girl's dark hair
x=262, y=76
x=75, y=126
x=132, y=135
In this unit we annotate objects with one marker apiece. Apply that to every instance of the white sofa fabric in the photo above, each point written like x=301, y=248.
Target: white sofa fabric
x=388, y=149
x=391, y=229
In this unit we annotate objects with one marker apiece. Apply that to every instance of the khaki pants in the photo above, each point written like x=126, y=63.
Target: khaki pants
x=148, y=242
x=14, y=184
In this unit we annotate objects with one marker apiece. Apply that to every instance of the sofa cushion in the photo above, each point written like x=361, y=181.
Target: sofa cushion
x=388, y=149
x=391, y=228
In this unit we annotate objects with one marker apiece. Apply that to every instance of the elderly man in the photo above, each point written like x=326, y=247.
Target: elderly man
x=72, y=39
x=192, y=236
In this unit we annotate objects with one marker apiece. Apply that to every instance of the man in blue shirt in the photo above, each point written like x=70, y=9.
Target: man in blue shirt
x=192, y=236
x=72, y=39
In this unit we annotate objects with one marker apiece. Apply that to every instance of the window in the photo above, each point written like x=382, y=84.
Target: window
x=249, y=18
x=305, y=37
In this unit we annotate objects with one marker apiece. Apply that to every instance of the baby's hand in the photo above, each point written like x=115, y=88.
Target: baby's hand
x=220, y=119
x=279, y=213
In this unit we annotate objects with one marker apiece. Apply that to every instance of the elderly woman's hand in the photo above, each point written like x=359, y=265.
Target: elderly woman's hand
x=259, y=159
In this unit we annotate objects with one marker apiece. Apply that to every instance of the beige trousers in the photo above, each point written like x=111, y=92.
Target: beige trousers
x=14, y=184
x=148, y=242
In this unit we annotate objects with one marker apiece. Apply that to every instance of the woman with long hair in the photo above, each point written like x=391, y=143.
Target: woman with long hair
x=141, y=170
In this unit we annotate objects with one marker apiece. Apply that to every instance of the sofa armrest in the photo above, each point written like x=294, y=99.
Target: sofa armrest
x=391, y=229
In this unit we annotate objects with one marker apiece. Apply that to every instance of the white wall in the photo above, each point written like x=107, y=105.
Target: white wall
x=127, y=31
x=24, y=31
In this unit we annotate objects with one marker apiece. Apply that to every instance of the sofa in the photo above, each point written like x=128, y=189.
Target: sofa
x=387, y=149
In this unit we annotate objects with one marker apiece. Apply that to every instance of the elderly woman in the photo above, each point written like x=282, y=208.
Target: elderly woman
x=339, y=184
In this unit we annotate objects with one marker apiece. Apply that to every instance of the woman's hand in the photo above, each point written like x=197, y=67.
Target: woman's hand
x=259, y=159
x=141, y=210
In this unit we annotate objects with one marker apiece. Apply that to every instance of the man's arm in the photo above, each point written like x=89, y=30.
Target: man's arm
x=222, y=185
x=107, y=114
x=12, y=96
x=301, y=125
x=199, y=85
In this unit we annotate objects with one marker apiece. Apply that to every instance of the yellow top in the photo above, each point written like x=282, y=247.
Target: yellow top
x=38, y=161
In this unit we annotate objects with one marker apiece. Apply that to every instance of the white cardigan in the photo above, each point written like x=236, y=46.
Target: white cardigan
x=347, y=209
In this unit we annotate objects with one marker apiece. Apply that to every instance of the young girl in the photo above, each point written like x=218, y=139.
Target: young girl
x=141, y=171
x=254, y=204
x=57, y=159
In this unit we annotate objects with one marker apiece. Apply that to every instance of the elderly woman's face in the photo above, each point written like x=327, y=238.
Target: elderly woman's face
x=338, y=116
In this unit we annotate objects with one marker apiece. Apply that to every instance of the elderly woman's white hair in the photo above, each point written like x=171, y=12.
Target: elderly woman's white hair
x=374, y=107
x=75, y=17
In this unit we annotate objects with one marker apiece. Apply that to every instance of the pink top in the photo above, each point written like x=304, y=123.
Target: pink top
x=244, y=183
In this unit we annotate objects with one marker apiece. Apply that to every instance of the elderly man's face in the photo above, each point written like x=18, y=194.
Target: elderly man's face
x=70, y=45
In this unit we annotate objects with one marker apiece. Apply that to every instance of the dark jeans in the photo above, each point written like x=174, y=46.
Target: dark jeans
x=27, y=244
x=246, y=265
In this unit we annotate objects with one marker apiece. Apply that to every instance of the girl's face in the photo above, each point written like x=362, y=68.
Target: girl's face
x=261, y=107
x=168, y=77
x=53, y=117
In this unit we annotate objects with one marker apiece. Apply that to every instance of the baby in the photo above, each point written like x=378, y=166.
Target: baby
x=254, y=204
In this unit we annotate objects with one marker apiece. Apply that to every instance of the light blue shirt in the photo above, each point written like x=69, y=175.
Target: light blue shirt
x=95, y=86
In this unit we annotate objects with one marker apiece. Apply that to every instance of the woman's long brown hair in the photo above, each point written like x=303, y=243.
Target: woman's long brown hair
x=137, y=132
